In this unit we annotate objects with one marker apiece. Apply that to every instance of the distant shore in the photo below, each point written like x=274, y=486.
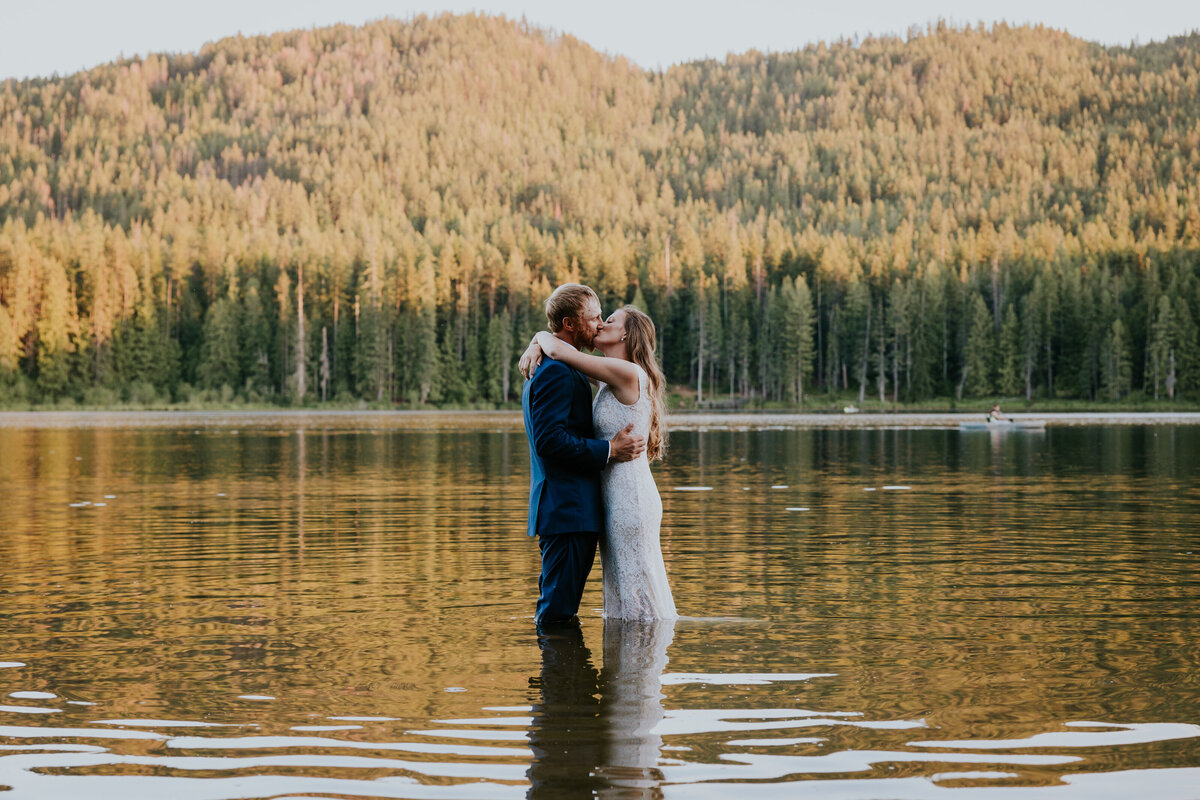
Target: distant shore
x=510, y=420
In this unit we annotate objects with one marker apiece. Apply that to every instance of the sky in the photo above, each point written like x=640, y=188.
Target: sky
x=43, y=37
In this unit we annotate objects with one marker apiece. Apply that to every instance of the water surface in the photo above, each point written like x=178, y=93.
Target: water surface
x=276, y=610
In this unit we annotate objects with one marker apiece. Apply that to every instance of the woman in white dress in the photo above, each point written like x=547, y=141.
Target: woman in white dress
x=631, y=392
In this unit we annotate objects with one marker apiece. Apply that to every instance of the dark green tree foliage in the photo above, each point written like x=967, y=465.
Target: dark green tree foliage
x=1115, y=360
x=498, y=368
x=979, y=361
x=256, y=334
x=221, y=364
x=1012, y=378
x=378, y=213
x=790, y=340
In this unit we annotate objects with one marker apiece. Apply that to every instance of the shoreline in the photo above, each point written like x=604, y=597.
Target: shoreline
x=502, y=421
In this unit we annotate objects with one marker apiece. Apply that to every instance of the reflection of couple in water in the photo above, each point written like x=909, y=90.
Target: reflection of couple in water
x=593, y=731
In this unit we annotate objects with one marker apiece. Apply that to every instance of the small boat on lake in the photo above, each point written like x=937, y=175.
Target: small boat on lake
x=1004, y=425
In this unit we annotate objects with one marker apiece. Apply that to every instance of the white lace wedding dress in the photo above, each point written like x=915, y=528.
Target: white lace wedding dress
x=635, y=578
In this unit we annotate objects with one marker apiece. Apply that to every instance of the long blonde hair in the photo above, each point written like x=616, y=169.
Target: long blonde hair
x=641, y=343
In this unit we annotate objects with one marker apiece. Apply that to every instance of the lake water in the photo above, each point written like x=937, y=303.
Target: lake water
x=219, y=607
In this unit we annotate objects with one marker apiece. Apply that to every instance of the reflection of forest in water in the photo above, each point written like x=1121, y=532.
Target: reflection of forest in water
x=1019, y=582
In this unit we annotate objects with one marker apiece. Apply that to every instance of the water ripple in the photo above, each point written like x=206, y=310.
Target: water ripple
x=1125, y=734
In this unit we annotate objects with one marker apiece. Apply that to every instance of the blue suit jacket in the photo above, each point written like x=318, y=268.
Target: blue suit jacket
x=564, y=459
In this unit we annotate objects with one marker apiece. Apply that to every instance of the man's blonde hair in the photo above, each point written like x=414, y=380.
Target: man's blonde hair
x=568, y=300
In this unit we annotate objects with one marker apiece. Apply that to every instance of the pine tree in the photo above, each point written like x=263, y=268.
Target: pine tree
x=220, y=363
x=858, y=311
x=979, y=358
x=1118, y=368
x=1160, y=366
x=1044, y=300
x=714, y=332
x=301, y=377
x=255, y=342
x=283, y=330
x=805, y=343
x=737, y=342
x=370, y=355
x=499, y=356
x=1187, y=345
x=326, y=373
x=55, y=327
x=1012, y=376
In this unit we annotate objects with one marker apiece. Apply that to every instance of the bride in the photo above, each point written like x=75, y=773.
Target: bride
x=631, y=391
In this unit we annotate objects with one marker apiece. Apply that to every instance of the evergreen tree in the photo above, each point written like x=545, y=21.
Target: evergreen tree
x=325, y=373
x=55, y=327
x=1118, y=368
x=370, y=354
x=979, y=358
x=221, y=364
x=1012, y=375
x=857, y=315
x=256, y=336
x=499, y=357
x=426, y=367
x=1044, y=300
x=1161, y=366
x=1031, y=337
x=1187, y=345
x=801, y=310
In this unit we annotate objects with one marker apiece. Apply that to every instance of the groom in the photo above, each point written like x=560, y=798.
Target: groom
x=566, y=510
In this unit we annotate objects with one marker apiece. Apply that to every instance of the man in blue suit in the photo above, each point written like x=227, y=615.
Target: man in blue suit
x=566, y=509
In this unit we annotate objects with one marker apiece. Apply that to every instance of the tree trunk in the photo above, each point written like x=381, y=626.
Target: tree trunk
x=1171, y=373
x=881, y=378
x=996, y=292
x=1049, y=368
x=667, y=265
x=820, y=343
x=300, y=381
x=324, y=363
x=945, y=350
x=862, y=372
x=700, y=359
x=896, y=369
x=908, y=365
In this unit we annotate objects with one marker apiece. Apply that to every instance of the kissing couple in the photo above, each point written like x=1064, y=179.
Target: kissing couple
x=590, y=479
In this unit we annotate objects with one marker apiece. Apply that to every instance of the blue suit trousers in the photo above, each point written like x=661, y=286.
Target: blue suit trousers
x=567, y=559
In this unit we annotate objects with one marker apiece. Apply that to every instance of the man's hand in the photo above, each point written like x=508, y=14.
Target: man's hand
x=531, y=359
x=625, y=446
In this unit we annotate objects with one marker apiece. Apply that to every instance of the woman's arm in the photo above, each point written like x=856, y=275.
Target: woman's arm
x=619, y=374
x=531, y=359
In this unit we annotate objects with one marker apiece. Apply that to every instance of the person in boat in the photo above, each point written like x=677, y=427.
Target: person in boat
x=994, y=415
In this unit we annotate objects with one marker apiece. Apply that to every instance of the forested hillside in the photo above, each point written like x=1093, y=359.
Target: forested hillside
x=378, y=212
